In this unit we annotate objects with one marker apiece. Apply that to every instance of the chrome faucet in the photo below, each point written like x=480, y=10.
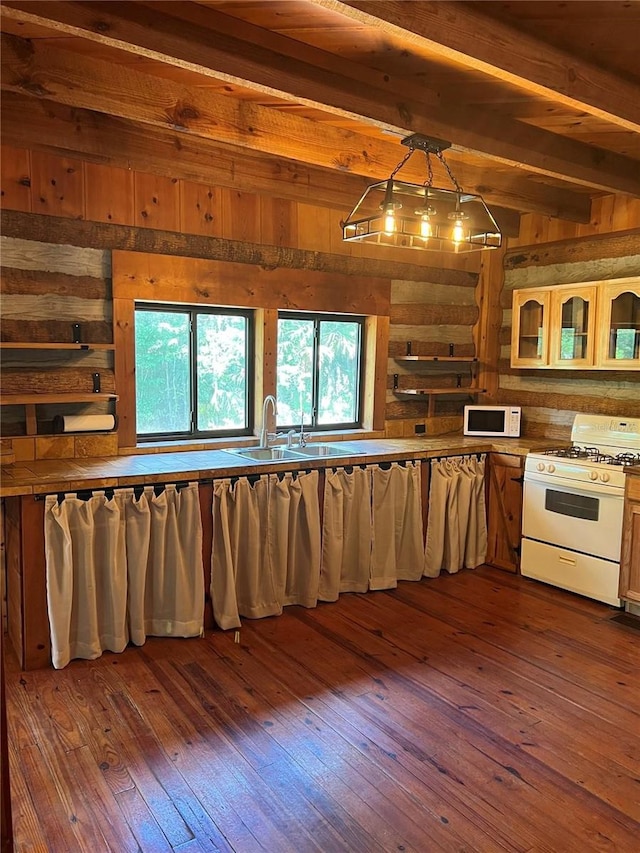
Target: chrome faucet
x=264, y=432
x=302, y=438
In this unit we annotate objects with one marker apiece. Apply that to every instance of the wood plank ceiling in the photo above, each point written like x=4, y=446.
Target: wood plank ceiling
x=540, y=100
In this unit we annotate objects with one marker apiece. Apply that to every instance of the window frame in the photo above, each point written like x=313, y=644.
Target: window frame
x=193, y=311
x=318, y=318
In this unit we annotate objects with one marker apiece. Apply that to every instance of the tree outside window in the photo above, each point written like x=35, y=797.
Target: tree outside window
x=193, y=371
x=319, y=371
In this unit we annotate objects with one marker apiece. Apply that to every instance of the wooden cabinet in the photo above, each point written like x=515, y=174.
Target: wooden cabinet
x=583, y=326
x=629, y=588
x=504, y=510
x=31, y=399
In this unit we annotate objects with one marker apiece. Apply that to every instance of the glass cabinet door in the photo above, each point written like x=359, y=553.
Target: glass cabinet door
x=573, y=325
x=530, y=328
x=620, y=324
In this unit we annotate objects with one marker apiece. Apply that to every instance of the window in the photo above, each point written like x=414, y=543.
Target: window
x=193, y=371
x=319, y=371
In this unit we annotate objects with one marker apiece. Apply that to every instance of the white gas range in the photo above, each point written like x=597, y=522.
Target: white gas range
x=573, y=506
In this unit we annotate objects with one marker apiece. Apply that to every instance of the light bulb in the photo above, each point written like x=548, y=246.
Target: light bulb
x=426, y=229
x=389, y=221
x=457, y=235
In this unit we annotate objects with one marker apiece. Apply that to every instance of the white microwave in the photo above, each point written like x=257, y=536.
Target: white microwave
x=492, y=421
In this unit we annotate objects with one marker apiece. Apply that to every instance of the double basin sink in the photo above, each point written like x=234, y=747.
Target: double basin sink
x=275, y=454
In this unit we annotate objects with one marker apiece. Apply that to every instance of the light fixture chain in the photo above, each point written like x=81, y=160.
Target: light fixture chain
x=429, y=181
x=440, y=157
x=401, y=164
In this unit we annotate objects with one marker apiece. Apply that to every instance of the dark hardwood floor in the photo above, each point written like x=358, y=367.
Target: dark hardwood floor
x=473, y=712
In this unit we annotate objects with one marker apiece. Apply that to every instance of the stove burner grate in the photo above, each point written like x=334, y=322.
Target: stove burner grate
x=593, y=454
x=627, y=459
x=574, y=452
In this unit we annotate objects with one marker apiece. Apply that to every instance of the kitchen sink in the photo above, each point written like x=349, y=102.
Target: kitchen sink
x=264, y=454
x=275, y=454
x=322, y=450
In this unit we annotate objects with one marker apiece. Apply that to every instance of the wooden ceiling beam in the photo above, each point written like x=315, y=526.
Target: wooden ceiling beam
x=80, y=81
x=149, y=33
x=456, y=32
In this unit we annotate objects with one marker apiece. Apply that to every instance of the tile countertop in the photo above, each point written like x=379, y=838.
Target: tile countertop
x=58, y=475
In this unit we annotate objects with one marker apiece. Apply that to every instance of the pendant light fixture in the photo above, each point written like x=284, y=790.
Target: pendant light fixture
x=421, y=216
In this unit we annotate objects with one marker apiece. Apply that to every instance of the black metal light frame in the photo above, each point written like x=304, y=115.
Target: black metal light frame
x=420, y=216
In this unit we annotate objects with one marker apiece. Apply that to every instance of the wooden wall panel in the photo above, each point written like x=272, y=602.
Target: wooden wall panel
x=240, y=216
x=278, y=222
x=125, y=369
x=15, y=178
x=156, y=202
x=314, y=227
x=57, y=185
x=190, y=280
x=609, y=213
x=200, y=209
x=108, y=194
x=487, y=332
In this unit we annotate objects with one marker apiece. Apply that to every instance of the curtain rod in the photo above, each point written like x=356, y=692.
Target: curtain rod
x=138, y=489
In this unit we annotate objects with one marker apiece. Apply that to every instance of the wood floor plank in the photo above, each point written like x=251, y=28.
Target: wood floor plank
x=322, y=754
x=26, y=822
x=226, y=769
x=614, y=758
x=472, y=712
x=477, y=663
x=446, y=816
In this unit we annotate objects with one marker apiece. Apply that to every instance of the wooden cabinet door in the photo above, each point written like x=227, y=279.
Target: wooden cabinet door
x=619, y=324
x=629, y=588
x=530, y=328
x=573, y=326
x=504, y=511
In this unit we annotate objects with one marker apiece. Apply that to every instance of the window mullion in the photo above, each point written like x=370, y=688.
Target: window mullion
x=193, y=372
x=315, y=382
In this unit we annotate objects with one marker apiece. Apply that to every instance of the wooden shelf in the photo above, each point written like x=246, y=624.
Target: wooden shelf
x=433, y=393
x=36, y=399
x=450, y=358
x=439, y=391
x=52, y=346
x=30, y=401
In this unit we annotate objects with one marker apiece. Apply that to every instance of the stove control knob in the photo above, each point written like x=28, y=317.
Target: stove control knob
x=593, y=475
x=540, y=466
x=551, y=468
x=604, y=477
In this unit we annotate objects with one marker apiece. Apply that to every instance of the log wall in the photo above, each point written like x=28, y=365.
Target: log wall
x=549, y=252
x=94, y=209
